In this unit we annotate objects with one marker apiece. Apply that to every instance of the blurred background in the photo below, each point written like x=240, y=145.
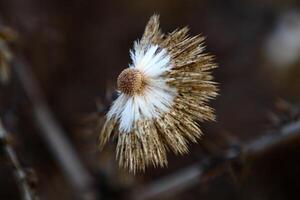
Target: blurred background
x=59, y=61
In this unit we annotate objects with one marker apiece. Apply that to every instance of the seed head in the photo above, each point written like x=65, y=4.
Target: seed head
x=130, y=81
x=163, y=96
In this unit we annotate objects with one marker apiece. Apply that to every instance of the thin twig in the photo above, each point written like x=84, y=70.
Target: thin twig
x=54, y=136
x=20, y=175
x=181, y=180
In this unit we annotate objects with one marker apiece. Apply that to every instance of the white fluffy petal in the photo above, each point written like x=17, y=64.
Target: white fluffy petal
x=157, y=96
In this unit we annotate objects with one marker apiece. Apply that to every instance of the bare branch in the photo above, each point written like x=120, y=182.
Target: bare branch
x=54, y=136
x=177, y=182
x=27, y=193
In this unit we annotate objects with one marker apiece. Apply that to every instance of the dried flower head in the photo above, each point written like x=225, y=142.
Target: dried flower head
x=163, y=95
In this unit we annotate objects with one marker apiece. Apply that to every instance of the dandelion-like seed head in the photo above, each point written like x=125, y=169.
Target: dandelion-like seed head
x=163, y=97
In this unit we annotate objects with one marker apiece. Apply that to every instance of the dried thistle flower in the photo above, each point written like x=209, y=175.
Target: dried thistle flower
x=162, y=96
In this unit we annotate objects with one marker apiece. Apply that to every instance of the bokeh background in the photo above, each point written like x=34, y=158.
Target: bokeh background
x=75, y=49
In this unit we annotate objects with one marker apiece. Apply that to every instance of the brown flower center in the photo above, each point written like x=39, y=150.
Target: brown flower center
x=130, y=81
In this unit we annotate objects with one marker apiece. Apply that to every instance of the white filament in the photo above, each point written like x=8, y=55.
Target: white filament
x=157, y=96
